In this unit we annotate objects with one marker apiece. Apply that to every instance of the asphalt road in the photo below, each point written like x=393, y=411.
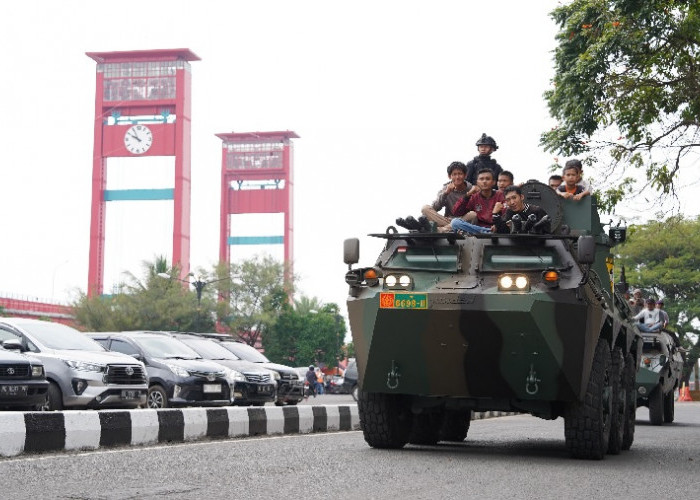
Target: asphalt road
x=507, y=457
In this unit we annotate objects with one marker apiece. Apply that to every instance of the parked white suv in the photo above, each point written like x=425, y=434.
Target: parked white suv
x=81, y=373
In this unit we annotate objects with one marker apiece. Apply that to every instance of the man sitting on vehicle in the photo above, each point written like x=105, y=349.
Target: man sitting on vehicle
x=648, y=319
x=520, y=217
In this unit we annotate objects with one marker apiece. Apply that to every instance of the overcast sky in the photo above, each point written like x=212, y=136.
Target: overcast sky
x=383, y=94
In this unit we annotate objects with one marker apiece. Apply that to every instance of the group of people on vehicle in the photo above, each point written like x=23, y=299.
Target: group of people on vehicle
x=648, y=313
x=481, y=197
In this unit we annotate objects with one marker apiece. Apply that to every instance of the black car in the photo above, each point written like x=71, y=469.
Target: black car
x=290, y=388
x=258, y=385
x=350, y=380
x=177, y=375
x=23, y=382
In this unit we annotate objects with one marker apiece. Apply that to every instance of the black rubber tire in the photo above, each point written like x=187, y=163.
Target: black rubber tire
x=631, y=408
x=385, y=419
x=669, y=408
x=619, y=403
x=426, y=428
x=455, y=425
x=279, y=403
x=157, y=397
x=54, y=398
x=354, y=391
x=656, y=406
x=293, y=402
x=587, y=422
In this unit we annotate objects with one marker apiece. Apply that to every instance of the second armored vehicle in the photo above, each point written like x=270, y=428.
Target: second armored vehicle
x=659, y=375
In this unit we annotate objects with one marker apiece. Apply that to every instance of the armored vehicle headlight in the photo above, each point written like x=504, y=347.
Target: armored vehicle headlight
x=506, y=282
x=514, y=282
x=398, y=282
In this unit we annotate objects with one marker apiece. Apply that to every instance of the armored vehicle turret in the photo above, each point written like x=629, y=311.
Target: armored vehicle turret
x=445, y=324
x=659, y=375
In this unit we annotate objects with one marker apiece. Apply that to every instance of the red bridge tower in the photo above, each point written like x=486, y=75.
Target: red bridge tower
x=257, y=177
x=142, y=108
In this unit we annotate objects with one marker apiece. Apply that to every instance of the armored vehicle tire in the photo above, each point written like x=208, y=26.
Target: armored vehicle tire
x=656, y=406
x=455, y=425
x=426, y=428
x=587, y=422
x=386, y=419
x=631, y=407
x=669, y=410
x=619, y=402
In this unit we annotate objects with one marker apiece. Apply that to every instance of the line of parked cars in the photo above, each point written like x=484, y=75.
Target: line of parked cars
x=50, y=366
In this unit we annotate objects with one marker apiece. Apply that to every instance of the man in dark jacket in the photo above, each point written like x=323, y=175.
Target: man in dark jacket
x=485, y=145
x=520, y=217
x=311, y=381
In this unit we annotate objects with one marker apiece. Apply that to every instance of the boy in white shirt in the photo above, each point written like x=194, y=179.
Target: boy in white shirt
x=648, y=320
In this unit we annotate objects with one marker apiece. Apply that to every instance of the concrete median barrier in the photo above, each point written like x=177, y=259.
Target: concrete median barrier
x=38, y=432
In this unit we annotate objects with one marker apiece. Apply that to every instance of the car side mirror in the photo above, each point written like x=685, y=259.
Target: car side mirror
x=662, y=359
x=136, y=356
x=586, y=249
x=351, y=251
x=12, y=344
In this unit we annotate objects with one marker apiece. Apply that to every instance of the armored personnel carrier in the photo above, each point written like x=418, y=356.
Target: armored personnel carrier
x=659, y=375
x=445, y=324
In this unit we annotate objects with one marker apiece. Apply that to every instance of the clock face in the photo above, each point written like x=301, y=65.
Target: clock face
x=138, y=139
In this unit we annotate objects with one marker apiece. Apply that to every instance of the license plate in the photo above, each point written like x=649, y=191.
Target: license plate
x=265, y=388
x=403, y=300
x=13, y=390
x=130, y=394
x=211, y=388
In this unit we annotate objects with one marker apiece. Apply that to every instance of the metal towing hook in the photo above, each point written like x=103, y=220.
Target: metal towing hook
x=392, y=379
x=531, y=386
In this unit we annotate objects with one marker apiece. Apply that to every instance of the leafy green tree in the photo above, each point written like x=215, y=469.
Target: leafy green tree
x=302, y=337
x=626, y=87
x=148, y=303
x=663, y=258
x=254, y=296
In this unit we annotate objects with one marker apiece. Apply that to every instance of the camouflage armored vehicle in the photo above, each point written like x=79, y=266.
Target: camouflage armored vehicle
x=659, y=375
x=445, y=324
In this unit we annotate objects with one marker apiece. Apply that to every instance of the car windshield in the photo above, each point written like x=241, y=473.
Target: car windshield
x=429, y=258
x=519, y=258
x=244, y=351
x=209, y=349
x=58, y=336
x=166, y=347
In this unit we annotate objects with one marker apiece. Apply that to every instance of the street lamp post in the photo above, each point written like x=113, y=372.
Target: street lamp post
x=198, y=286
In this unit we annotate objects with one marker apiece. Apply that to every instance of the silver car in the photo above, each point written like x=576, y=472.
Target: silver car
x=81, y=373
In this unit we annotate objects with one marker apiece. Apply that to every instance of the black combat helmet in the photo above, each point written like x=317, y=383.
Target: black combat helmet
x=487, y=140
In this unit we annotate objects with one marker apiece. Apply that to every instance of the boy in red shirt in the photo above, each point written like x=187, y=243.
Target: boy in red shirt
x=479, y=205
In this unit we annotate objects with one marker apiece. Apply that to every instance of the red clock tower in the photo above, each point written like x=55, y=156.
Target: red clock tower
x=257, y=177
x=142, y=108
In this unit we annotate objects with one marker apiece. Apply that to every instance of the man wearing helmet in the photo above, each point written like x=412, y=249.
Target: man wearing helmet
x=485, y=145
